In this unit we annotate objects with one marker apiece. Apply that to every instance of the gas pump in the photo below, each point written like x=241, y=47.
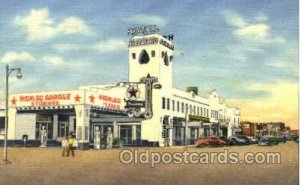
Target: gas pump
x=97, y=138
x=44, y=137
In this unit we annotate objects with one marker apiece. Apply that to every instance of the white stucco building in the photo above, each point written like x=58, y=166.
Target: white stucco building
x=145, y=110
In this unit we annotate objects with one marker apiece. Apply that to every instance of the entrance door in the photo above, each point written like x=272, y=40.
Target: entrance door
x=126, y=134
x=46, y=126
x=63, y=129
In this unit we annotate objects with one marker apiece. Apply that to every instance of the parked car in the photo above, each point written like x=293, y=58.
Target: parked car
x=289, y=137
x=282, y=139
x=239, y=140
x=224, y=138
x=296, y=139
x=253, y=140
x=268, y=141
x=211, y=140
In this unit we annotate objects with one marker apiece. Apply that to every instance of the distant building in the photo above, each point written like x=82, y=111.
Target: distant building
x=258, y=129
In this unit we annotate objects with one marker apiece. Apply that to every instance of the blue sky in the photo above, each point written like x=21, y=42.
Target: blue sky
x=231, y=46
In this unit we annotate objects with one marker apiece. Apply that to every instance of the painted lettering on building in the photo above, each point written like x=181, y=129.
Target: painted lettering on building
x=110, y=102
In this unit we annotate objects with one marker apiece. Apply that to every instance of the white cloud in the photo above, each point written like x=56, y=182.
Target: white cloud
x=72, y=25
x=61, y=63
x=55, y=60
x=104, y=46
x=12, y=56
x=253, y=31
x=67, y=47
x=233, y=18
x=110, y=45
x=262, y=17
x=147, y=20
x=39, y=26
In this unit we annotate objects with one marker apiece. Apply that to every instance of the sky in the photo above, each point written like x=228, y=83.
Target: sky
x=246, y=50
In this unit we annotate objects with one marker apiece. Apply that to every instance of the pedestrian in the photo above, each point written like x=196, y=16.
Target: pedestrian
x=71, y=146
x=64, y=146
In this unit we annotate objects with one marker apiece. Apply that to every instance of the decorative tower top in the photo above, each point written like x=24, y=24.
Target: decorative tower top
x=150, y=53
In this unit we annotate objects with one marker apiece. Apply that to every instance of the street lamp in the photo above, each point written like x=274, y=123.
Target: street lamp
x=19, y=76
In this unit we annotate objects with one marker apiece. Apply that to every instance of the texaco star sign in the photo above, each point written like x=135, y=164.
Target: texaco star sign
x=133, y=92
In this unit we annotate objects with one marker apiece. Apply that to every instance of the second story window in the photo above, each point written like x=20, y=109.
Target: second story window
x=168, y=103
x=163, y=103
x=133, y=55
x=173, y=105
x=152, y=53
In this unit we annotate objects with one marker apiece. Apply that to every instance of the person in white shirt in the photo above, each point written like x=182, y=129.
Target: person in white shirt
x=64, y=146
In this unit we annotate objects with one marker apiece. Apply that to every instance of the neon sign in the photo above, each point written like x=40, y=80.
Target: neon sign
x=143, y=30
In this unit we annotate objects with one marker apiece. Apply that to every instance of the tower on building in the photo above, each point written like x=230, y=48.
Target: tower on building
x=150, y=54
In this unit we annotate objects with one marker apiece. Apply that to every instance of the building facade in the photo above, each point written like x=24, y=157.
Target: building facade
x=145, y=110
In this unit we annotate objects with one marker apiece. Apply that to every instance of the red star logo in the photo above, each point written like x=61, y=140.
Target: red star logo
x=77, y=98
x=13, y=101
x=92, y=99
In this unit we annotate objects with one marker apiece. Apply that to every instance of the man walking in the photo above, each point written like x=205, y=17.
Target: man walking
x=64, y=146
x=71, y=147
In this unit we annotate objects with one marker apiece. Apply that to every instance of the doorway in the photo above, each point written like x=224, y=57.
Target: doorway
x=44, y=125
x=126, y=134
x=63, y=129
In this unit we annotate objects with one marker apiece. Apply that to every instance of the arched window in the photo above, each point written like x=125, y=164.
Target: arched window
x=144, y=57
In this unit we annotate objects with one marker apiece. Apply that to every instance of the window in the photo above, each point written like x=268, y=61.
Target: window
x=168, y=103
x=186, y=108
x=133, y=56
x=191, y=109
x=173, y=105
x=152, y=53
x=201, y=111
x=171, y=58
x=198, y=111
x=178, y=108
x=166, y=59
x=182, y=107
x=144, y=57
x=194, y=110
x=163, y=103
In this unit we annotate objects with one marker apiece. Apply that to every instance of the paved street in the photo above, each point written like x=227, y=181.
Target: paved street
x=37, y=166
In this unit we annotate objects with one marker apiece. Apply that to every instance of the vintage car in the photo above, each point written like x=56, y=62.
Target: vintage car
x=282, y=138
x=253, y=140
x=268, y=141
x=209, y=141
x=239, y=140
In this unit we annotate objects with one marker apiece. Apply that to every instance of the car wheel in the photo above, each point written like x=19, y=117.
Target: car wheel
x=202, y=145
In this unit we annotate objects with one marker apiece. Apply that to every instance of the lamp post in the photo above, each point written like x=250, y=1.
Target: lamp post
x=19, y=76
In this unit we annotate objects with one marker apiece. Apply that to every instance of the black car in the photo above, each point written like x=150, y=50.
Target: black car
x=239, y=140
x=268, y=141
